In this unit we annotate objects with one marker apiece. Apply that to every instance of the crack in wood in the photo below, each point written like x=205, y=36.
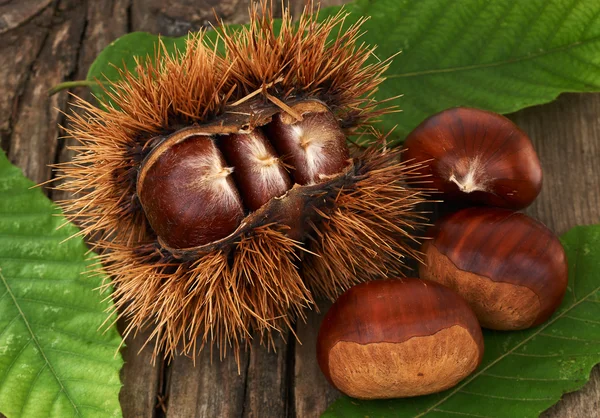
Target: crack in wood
x=21, y=87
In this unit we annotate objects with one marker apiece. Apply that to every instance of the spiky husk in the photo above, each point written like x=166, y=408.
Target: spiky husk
x=265, y=280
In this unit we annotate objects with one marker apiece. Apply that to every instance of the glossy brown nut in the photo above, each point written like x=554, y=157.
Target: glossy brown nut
x=510, y=268
x=398, y=338
x=188, y=195
x=313, y=148
x=258, y=171
x=476, y=156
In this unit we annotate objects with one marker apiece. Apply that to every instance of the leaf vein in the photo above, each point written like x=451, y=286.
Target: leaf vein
x=31, y=386
x=497, y=63
x=41, y=350
x=582, y=319
x=467, y=414
x=556, y=355
x=561, y=337
x=534, y=379
x=501, y=357
x=9, y=323
x=506, y=398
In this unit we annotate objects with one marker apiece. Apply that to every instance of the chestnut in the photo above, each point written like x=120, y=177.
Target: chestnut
x=314, y=148
x=510, y=268
x=188, y=194
x=476, y=156
x=199, y=186
x=397, y=338
x=259, y=173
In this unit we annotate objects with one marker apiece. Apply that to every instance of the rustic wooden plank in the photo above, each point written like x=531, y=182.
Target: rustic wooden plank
x=266, y=391
x=15, y=13
x=215, y=388
x=105, y=21
x=140, y=377
x=22, y=43
x=311, y=391
x=208, y=388
x=566, y=136
x=178, y=18
x=34, y=136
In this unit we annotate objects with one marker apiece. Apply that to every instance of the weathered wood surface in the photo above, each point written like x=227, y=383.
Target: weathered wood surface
x=44, y=42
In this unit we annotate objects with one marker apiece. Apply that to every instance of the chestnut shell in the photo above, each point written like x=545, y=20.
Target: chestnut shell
x=509, y=267
x=398, y=338
x=476, y=156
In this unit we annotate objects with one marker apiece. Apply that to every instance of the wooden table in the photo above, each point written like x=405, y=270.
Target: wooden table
x=45, y=42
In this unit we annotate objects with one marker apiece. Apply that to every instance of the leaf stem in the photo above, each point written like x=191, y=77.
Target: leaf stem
x=70, y=84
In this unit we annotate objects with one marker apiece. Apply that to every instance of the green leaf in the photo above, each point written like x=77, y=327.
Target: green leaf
x=500, y=55
x=522, y=373
x=54, y=360
x=122, y=53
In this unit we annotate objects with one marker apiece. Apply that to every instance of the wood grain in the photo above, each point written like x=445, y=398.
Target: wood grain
x=141, y=395
x=209, y=388
x=44, y=42
x=266, y=380
x=311, y=393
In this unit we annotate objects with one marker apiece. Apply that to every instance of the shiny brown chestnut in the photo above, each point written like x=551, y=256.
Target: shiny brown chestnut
x=314, y=147
x=188, y=194
x=476, y=156
x=510, y=268
x=398, y=338
x=258, y=173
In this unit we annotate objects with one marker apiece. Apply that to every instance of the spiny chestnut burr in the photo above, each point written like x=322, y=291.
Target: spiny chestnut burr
x=220, y=187
x=510, y=268
x=476, y=156
x=398, y=338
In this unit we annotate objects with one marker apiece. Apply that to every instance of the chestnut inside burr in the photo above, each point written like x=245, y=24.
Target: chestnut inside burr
x=199, y=189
